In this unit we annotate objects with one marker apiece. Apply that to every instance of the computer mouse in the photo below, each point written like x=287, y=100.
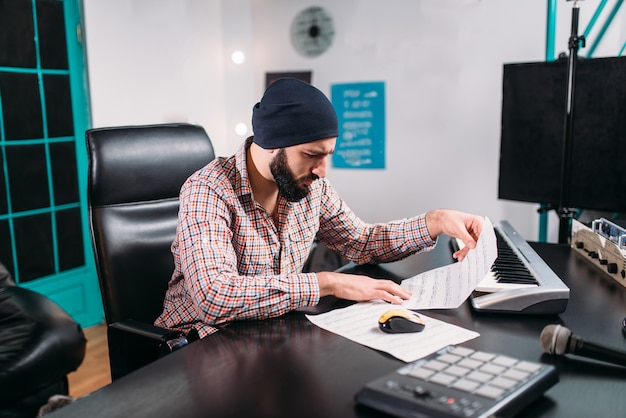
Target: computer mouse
x=396, y=321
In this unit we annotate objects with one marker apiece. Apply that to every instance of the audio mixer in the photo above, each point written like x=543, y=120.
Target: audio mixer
x=604, y=245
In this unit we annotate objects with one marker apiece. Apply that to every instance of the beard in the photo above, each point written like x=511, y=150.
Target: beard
x=289, y=187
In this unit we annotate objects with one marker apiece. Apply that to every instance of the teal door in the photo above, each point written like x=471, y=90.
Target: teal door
x=44, y=239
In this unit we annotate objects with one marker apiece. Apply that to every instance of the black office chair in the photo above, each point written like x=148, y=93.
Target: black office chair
x=40, y=344
x=135, y=175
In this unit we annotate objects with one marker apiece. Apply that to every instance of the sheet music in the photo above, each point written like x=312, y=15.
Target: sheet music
x=444, y=287
x=359, y=323
x=449, y=286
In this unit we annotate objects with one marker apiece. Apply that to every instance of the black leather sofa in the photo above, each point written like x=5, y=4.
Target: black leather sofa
x=39, y=345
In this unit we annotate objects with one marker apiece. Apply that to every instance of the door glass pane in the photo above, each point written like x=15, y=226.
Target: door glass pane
x=5, y=245
x=64, y=175
x=4, y=206
x=58, y=105
x=33, y=240
x=52, y=47
x=28, y=177
x=69, y=239
x=21, y=106
x=17, y=39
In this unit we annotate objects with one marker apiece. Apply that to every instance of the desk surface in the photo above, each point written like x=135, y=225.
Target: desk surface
x=288, y=367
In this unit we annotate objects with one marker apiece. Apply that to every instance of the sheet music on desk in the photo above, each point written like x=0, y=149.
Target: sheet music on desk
x=444, y=287
x=359, y=323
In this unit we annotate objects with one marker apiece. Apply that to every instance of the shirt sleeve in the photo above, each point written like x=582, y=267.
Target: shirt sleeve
x=211, y=233
x=363, y=243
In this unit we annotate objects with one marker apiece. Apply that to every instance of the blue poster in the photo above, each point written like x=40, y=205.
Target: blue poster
x=361, y=114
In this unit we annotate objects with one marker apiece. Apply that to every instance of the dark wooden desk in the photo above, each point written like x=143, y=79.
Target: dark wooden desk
x=288, y=367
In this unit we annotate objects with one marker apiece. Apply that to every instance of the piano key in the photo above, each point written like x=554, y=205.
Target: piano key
x=489, y=284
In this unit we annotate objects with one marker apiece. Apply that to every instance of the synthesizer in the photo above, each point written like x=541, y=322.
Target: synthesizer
x=520, y=281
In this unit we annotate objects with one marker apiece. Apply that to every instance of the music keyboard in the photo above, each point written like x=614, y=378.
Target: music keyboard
x=519, y=280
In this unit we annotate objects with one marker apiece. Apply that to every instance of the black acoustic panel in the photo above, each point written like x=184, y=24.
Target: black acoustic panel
x=21, y=106
x=64, y=174
x=533, y=125
x=4, y=207
x=33, y=241
x=6, y=250
x=533, y=114
x=70, y=239
x=599, y=147
x=58, y=105
x=28, y=177
x=51, y=24
x=17, y=36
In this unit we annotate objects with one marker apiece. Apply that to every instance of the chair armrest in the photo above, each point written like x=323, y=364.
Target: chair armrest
x=170, y=340
x=145, y=329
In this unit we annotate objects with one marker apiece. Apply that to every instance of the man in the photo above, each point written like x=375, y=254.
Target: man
x=246, y=223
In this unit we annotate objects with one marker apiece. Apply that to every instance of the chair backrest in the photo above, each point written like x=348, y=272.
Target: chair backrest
x=135, y=176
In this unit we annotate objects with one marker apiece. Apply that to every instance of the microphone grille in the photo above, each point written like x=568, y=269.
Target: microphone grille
x=554, y=339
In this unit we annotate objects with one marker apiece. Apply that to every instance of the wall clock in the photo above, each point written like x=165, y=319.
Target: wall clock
x=312, y=31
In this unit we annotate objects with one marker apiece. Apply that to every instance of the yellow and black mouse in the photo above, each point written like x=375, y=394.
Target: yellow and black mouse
x=397, y=321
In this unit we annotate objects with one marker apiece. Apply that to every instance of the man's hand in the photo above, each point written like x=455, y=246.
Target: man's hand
x=456, y=224
x=360, y=288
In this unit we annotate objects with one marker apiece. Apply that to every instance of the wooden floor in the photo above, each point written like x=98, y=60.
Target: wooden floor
x=94, y=372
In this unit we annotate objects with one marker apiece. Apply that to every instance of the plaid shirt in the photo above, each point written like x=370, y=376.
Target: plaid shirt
x=232, y=262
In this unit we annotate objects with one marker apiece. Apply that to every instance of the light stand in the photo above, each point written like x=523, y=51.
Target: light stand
x=566, y=213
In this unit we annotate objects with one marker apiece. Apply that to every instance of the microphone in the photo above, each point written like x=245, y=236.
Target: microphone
x=557, y=339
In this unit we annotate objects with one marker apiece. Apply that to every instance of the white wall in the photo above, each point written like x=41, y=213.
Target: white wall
x=155, y=61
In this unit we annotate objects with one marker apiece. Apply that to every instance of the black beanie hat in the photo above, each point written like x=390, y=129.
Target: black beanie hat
x=292, y=112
